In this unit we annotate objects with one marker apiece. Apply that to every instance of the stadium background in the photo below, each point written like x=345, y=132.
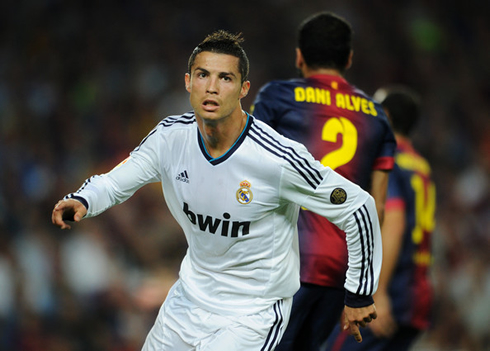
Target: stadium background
x=82, y=82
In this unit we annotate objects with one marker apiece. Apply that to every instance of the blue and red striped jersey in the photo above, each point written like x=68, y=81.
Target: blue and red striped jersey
x=411, y=189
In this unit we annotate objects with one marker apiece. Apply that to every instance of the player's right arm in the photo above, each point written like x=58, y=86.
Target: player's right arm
x=379, y=188
x=392, y=232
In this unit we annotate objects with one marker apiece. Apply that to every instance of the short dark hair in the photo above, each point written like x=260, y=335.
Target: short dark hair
x=402, y=105
x=223, y=42
x=325, y=41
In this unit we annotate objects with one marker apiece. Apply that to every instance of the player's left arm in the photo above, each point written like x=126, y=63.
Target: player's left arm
x=379, y=188
x=365, y=255
x=354, y=211
x=360, y=221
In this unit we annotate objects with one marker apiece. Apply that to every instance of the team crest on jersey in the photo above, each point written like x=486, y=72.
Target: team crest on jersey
x=244, y=194
x=338, y=196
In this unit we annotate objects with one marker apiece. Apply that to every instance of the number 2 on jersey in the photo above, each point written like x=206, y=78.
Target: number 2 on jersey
x=331, y=129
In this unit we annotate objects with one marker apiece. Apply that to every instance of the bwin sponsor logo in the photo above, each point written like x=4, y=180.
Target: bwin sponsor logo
x=214, y=225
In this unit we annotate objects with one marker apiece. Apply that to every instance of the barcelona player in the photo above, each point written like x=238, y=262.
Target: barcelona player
x=349, y=132
x=403, y=299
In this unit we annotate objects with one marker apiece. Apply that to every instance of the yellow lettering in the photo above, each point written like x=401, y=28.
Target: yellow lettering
x=425, y=206
x=373, y=110
x=299, y=94
x=356, y=102
x=322, y=96
x=409, y=162
x=347, y=103
x=422, y=258
x=429, y=219
x=364, y=106
x=310, y=94
x=339, y=100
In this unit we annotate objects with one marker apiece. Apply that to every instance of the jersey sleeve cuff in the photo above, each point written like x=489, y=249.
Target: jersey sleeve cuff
x=356, y=301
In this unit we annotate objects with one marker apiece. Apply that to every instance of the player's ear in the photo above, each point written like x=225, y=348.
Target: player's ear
x=349, y=60
x=245, y=89
x=300, y=61
x=188, y=82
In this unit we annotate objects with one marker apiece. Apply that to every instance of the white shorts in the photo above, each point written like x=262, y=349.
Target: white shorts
x=183, y=326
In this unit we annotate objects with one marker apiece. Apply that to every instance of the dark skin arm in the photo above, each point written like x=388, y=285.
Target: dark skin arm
x=392, y=234
x=379, y=188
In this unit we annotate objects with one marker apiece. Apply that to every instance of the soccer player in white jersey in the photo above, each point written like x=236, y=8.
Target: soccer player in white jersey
x=235, y=186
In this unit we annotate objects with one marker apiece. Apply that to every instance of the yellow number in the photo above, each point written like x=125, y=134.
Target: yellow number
x=425, y=206
x=331, y=129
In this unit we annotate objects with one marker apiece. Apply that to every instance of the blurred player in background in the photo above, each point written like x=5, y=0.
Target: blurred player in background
x=403, y=299
x=235, y=186
x=345, y=129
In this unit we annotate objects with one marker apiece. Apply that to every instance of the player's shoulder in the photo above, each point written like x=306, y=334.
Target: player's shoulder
x=168, y=129
x=174, y=122
x=280, y=85
x=377, y=106
x=407, y=158
x=284, y=153
x=263, y=133
x=175, y=125
x=361, y=93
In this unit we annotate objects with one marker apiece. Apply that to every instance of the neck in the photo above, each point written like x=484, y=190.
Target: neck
x=219, y=136
x=308, y=72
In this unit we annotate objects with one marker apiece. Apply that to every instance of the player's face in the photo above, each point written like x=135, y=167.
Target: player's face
x=215, y=86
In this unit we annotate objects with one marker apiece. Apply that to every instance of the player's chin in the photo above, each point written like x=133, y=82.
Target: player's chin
x=210, y=116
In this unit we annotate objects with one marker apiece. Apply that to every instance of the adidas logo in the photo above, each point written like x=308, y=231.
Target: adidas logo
x=183, y=177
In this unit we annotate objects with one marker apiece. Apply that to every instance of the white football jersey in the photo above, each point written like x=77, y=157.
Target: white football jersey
x=239, y=211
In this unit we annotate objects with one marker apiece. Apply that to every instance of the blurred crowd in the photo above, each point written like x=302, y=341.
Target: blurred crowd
x=82, y=82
